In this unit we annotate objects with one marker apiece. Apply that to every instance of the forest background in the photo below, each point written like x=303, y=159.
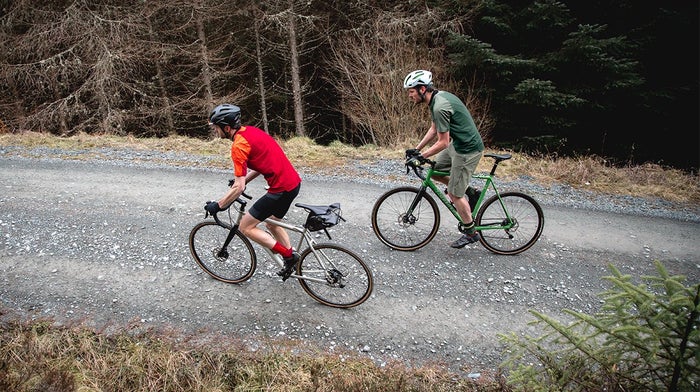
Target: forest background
x=616, y=79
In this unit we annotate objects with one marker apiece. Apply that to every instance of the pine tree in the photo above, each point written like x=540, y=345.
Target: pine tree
x=645, y=337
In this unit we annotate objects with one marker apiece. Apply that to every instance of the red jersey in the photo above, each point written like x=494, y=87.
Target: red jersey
x=253, y=148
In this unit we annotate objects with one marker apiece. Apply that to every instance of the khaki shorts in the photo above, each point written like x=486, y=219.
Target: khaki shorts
x=460, y=166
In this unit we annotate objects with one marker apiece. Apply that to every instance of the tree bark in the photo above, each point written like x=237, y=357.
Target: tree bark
x=165, y=100
x=261, y=79
x=295, y=72
x=206, y=69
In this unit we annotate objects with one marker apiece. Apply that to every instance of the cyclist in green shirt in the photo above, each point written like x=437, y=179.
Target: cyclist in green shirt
x=459, y=146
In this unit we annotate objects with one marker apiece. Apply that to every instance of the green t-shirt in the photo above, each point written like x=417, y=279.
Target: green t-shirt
x=451, y=115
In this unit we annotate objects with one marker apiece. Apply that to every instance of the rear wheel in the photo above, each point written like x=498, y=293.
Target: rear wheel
x=399, y=229
x=334, y=276
x=512, y=232
x=234, y=264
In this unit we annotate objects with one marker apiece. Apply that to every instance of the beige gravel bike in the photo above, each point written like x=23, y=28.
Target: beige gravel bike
x=330, y=273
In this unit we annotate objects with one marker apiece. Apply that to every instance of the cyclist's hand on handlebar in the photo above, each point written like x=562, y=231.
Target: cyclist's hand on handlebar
x=416, y=160
x=212, y=207
x=411, y=152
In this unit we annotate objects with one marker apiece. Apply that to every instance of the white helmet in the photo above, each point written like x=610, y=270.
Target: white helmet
x=418, y=78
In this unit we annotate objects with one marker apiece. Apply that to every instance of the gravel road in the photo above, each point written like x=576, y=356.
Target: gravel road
x=103, y=241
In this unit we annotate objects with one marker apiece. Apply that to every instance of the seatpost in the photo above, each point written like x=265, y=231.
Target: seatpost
x=493, y=169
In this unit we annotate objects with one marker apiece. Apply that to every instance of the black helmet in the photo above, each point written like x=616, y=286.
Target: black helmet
x=226, y=114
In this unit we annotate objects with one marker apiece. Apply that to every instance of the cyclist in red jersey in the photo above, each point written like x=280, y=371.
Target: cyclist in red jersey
x=254, y=152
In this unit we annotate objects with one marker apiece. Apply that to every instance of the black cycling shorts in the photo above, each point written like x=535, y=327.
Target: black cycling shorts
x=273, y=204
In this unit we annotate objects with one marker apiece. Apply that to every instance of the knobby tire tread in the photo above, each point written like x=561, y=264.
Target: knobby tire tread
x=524, y=209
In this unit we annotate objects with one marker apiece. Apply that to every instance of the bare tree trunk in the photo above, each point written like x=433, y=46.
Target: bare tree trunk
x=167, y=110
x=295, y=71
x=110, y=118
x=206, y=70
x=62, y=123
x=261, y=79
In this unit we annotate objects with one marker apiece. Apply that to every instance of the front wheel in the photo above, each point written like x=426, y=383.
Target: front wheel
x=510, y=224
x=400, y=229
x=234, y=263
x=334, y=276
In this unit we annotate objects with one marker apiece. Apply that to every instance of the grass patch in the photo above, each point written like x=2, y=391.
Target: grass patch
x=38, y=356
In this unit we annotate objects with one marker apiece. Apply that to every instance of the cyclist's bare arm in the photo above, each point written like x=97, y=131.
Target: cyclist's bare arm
x=252, y=174
x=234, y=191
x=443, y=140
x=429, y=135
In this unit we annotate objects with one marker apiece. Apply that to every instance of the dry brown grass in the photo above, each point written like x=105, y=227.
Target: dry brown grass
x=589, y=173
x=38, y=356
x=596, y=174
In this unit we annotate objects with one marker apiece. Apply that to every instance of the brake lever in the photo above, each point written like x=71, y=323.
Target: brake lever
x=408, y=164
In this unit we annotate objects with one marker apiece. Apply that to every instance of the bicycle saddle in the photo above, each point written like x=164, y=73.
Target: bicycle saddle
x=318, y=210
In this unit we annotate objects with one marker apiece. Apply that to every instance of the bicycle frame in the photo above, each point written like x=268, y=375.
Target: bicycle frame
x=304, y=239
x=428, y=183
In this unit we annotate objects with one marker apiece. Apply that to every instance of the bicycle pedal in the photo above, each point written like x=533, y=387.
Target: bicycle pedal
x=285, y=273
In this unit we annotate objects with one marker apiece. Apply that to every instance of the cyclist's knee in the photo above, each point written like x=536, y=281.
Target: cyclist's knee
x=246, y=230
x=248, y=224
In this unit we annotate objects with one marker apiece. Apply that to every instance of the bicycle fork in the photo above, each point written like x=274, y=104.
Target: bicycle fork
x=409, y=217
x=423, y=192
x=223, y=252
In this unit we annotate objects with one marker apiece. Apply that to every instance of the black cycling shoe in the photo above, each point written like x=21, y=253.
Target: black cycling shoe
x=290, y=264
x=465, y=240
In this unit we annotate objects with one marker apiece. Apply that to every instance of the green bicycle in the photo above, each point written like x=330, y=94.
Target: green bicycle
x=407, y=218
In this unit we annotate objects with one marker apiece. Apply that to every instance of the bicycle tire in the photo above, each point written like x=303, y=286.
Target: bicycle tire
x=528, y=217
x=397, y=230
x=237, y=264
x=345, y=282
